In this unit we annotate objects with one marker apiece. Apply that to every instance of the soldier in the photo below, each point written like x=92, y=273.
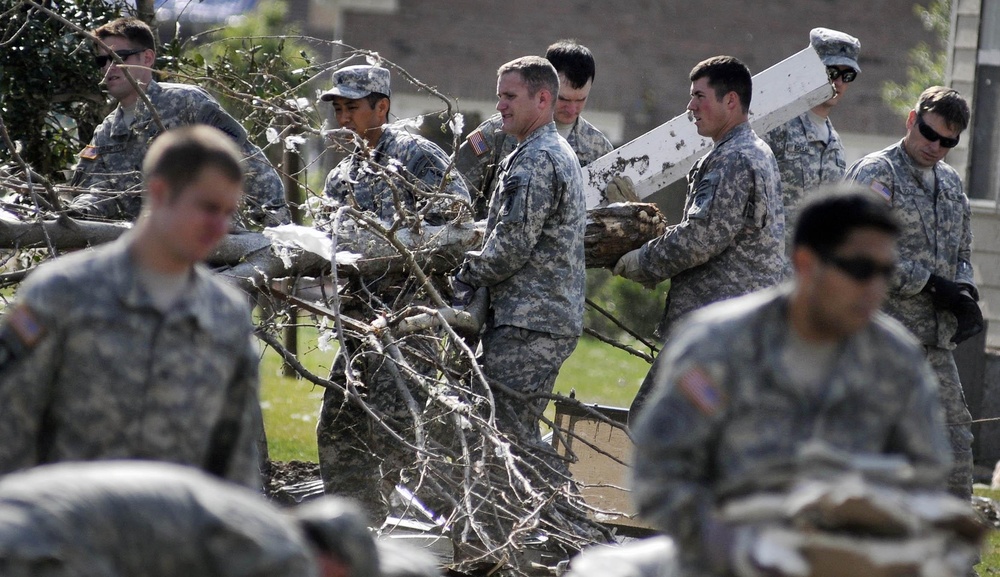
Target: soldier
x=808, y=149
x=387, y=164
x=731, y=239
x=932, y=293
x=746, y=386
x=478, y=158
x=135, y=350
x=532, y=260
x=113, y=159
x=165, y=520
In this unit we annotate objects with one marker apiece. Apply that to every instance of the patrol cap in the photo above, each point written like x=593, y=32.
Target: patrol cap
x=835, y=48
x=337, y=525
x=357, y=82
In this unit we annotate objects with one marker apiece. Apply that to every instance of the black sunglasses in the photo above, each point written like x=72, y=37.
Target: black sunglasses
x=931, y=135
x=845, y=75
x=860, y=268
x=102, y=61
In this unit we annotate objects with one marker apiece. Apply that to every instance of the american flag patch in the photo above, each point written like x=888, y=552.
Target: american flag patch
x=698, y=387
x=478, y=143
x=25, y=326
x=882, y=190
x=89, y=152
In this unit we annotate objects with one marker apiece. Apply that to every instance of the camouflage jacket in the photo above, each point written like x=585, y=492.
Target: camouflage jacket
x=936, y=237
x=724, y=417
x=92, y=370
x=806, y=162
x=142, y=518
x=731, y=239
x=532, y=259
x=360, y=180
x=113, y=159
x=479, y=157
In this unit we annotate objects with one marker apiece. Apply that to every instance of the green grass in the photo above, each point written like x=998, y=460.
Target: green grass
x=990, y=563
x=598, y=372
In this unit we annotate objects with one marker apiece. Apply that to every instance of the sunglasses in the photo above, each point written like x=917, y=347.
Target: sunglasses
x=860, y=268
x=845, y=75
x=102, y=61
x=931, y=135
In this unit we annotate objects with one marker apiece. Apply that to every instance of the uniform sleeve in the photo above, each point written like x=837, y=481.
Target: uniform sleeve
x=920, y=433
x=673, y=458
x=243, y=407
x=715, y=214
x=963, y=270
x=432, y=168
x=877, y=176
x=31, y=356
x=526, y=198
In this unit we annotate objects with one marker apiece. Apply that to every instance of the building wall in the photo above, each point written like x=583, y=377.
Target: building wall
x=644, y=48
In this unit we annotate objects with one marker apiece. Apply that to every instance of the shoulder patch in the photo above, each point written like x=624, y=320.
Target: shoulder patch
x=89, y=152
x=25, y=325
x=478, y=142
x=881, y=190
x=699, y=388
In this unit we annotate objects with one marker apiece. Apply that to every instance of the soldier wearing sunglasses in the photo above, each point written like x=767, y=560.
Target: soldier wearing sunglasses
x=808, y=149
x=110, y=165
x=747, y=388
x=932, y=292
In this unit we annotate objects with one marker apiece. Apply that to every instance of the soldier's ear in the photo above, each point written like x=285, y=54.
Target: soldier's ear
x=157, y=192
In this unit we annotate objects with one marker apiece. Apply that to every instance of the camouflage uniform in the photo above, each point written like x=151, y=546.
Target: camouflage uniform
x=91, y=370
x=532, y=261
x=140, y=518
x=805, y=161
x=724, y=416
x=731, y=239
x=357, y=180
x=113, y=159
x=480, y=155
x=357, y=457
x=936, y=239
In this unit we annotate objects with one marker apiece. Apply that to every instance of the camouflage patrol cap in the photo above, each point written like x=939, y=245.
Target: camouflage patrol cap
x=357, y=82
x=835, y=48
x=337, y=525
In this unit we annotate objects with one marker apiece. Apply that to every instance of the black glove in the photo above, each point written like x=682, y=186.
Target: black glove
x=461, y=292
x=945, y=294
x=970, y=318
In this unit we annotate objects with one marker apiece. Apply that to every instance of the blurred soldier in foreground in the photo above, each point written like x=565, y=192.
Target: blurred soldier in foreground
x=387, y=165
x=133, y=518
x=113, y=159
x=134, y=349
x=479, y=157
x=748, y=387
x=932, y=292
x=807, y=147
x=731, y=239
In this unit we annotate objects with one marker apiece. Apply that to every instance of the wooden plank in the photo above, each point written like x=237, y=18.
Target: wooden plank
x=666, y=153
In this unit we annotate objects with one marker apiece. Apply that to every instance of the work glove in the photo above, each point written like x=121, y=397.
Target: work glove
x=970, y=318
x=620, y=189
x=630, y=267
x=944, y=293
x=461, y=292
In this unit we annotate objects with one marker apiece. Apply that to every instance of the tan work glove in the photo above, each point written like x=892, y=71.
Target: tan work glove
x=620, y=189
x=628, y=266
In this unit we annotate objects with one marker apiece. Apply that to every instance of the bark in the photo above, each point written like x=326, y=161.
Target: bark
x=248, y=258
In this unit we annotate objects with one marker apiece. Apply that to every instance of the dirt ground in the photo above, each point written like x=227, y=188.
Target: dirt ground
x=285, y=474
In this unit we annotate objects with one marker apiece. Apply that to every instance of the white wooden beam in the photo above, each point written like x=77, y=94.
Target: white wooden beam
x=666, y=153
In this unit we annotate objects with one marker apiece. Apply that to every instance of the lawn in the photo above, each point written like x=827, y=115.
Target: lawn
x=598, y=372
